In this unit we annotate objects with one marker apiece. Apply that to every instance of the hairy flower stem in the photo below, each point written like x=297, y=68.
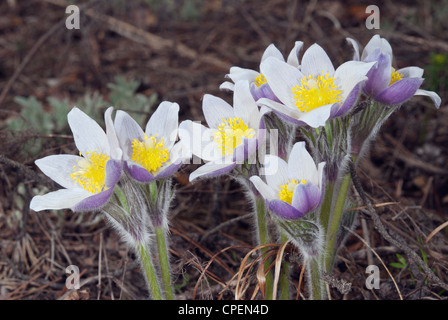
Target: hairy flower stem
x=263, y=236
x=314, y=274
x=284, y=275
x=149, y=271
x=335, y=221
x=325, y=209
x=164, y=262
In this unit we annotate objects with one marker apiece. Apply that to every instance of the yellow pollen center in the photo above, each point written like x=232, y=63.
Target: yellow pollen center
x=316, y=92
x=260, y=79
x=90, y=172
x=287, y=190
x=395, y=76
x=230, y=133
x=150, y=153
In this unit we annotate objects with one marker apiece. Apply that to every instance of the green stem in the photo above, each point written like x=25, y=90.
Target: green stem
x=164, y=263
x=316, y=283
x=325, y=210
x=150, y=273
x=335, y=221
x=263, y=235
x=284, y=275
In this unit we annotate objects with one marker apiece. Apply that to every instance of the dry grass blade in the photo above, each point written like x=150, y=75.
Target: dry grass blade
x=278, y=263
x=209, y=264
x=239, y=290
x=435, y=231
x=379, y=258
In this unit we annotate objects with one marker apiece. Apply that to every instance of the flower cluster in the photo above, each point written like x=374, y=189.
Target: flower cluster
x=288, y=136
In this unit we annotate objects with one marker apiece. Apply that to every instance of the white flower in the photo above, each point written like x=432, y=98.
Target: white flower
x=88, y=179
x=315, y=92
x=233, y=133
x=151, y=154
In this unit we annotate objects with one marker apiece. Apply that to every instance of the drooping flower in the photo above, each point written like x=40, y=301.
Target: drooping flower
x=316, y=92
x=257, y=81
x=151, y=154
x=88, y=179
x=386, y=84
x=293, y=188
x=232, y=136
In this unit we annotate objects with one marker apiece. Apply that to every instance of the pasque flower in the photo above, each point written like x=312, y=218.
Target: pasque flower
x=315, y=92
x=151, y=154
x=88, y=180
x=258, y=84
x=293, y=188
x=232, y=136
x=385, y=84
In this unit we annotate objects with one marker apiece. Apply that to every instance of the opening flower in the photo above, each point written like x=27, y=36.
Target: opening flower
x=315, y=92
x=294, y=188
x=88, y=179
x=385, y=84
x=153, y=153
x=232, y=136
x=257, y=81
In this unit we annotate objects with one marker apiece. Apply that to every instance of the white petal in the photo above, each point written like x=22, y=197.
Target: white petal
x=61, y=199
x=58, y=168
x=198, y=140
x=377, y=42
x=266, y=192
x=411, y=72
x=293, y=57
x=316, y=61
x=243, y=101
x=127, y=130
x=434, y=96
x=281, y=77
x=237, y=73
x=227, y=86
x=350, y=73
x=215, y=110
x=301, y=165
x=164, y=123
x=272, y=51
x=355, y=48
x=317, y=117
x=88, y=134
x=115, y=151
x=212, y=169
x=275, y=170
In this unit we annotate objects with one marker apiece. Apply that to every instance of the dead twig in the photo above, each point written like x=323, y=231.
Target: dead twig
x=392, y=238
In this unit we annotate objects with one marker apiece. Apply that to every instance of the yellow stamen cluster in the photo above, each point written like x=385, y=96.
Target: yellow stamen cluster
x=150, y=153
x=287, y=190
x=395, y=76
x=230, y=133
x=316, y=92
x=260, y=79
x=90, y=172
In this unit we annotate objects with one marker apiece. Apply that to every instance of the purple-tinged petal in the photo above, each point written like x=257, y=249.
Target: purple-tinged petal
x=243, y=151
x=375, y=43
x=137, y=172
x=263, y=91
x=93, y=202
x=114, y=168
x=379, y=76
x=284, y=210
x=127, y=130
x=169, y=170
x=339, y=110
x=400, y=91
x=306, y=197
